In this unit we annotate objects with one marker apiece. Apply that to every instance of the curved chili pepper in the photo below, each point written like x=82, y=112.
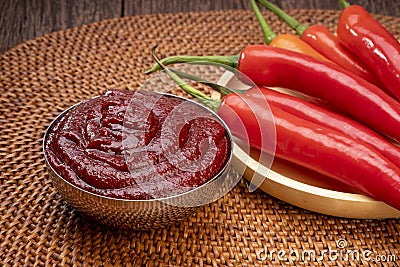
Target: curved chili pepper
x=287, y=41
x=332, y=120
x=372, y=43
x=325, y=42
x=311, y=145
x=343, y=90
x=318, y=148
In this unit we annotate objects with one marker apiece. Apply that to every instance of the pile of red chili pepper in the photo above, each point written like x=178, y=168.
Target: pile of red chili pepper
x=353, y=139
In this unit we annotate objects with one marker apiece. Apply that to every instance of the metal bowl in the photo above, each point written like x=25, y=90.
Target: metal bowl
x=143, y=214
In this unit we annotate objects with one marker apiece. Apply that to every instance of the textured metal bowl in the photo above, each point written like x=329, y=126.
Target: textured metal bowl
x=143, y=214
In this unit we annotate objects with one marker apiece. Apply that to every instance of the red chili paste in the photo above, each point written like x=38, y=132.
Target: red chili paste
x=137, y=145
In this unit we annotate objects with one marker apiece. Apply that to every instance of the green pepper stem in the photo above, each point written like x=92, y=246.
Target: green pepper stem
x=269, y=35
x=205, y=99
x=344, y=3
x=219, y=88
x=292, y=22
x=230, y=61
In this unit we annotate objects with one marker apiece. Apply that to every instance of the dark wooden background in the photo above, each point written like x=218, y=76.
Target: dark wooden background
x=21, y=20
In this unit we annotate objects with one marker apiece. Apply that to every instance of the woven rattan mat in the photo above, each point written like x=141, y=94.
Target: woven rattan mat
x=42, y=77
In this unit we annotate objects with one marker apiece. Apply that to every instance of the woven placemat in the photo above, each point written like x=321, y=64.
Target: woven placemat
x=42, y=77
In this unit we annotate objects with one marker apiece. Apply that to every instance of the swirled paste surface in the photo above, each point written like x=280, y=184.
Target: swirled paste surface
x=137, y=145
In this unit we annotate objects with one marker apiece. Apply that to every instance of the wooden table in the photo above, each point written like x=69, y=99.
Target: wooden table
x=25, y=19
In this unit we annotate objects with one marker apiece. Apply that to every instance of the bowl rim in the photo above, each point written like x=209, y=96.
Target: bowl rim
x=163, y=199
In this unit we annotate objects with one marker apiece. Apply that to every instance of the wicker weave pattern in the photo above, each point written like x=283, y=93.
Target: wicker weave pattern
x=44, y=76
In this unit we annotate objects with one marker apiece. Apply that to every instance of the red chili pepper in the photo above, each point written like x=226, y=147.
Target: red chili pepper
x=332, y=120
x=346, y=92
x=287, y=41
x=318, y=148
x=325, y=42
x=372, y=43
x=343, y=90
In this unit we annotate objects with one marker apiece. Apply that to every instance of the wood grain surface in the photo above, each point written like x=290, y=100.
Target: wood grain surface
x=21, y=20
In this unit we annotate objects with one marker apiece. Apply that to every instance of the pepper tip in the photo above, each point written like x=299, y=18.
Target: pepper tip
x=151, y=70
